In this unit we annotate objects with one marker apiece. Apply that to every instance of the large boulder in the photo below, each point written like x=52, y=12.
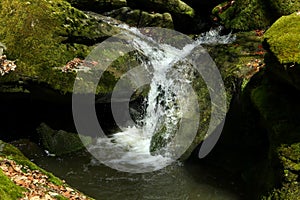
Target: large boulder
x=282, y=40
x=55, y=34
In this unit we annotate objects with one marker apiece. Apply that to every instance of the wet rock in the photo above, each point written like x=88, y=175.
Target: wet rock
x=61, y=142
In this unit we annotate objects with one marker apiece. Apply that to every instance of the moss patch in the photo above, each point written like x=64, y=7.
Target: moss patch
x=53, y=34
x=8, y=190
x=283, y=39
x=289, y=156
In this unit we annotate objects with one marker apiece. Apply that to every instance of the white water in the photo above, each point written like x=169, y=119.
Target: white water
x=167, y=103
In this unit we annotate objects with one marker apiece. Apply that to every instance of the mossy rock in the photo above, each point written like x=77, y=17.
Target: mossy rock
x=184, y=16
x=55, y=34
x=279, y=109
x=171, y=6
x=61, y=142
x=289, y=156
x=277, y=104
x=283, y=39
x=254, y=14
x=9, y=190
x=139, y=18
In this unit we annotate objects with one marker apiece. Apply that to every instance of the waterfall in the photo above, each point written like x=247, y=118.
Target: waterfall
x=167, y=103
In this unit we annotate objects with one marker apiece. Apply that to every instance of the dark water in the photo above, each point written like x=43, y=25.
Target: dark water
x=178, y=181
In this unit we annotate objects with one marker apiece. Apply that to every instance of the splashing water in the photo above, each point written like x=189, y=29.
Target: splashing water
x=167, y=103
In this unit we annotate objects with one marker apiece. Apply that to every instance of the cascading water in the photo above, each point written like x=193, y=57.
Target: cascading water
x=167, y=104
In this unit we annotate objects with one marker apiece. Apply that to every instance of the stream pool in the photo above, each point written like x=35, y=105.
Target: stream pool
x=188, y=181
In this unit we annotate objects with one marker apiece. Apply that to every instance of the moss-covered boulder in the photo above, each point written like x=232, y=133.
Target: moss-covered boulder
x=289, y=188
x=61, y=142
x=283, y=42
x=275, y=95
x=283, y=39
x=53, y=34
x=253, y=14
x=139, y=18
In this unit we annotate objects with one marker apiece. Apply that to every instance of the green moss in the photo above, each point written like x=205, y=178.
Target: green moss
x=245, y=15
x=254, y=14
x=53, y=34
x=283, y=7
x=289, y=156
x=59, y=197
x=158, y=140
x=283, y=39
x=279, y=111
x=9, y=190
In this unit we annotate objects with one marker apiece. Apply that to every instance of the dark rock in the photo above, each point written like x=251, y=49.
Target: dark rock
x=61, y=142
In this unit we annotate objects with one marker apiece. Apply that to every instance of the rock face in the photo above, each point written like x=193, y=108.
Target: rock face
x=253, y=14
